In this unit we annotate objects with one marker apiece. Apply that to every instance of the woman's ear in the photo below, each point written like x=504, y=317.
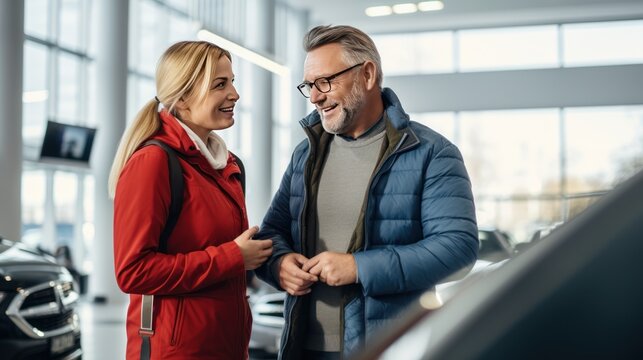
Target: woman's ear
x=181, y=105
x=370, y=75
x=182, y=109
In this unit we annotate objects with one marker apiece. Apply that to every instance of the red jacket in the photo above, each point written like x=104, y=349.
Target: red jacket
x=200, y=307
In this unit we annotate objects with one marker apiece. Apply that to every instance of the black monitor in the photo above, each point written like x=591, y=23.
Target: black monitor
x=69, y=143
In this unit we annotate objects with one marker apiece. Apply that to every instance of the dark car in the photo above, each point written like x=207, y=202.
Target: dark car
x=268, y=304
x=38, y=298
x=572, y=295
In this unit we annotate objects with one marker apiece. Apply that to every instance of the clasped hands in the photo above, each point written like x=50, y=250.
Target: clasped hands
x=297, y=273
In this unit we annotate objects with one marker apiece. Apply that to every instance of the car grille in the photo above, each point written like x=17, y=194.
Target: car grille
x=41, y=297
x=45, y=310
x=52, y=322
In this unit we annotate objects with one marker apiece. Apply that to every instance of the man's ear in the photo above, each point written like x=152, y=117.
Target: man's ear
x=370, y=75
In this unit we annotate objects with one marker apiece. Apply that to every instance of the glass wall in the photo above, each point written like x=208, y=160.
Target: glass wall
x=534, y=167
x=56, y=63
x=508, y=48
x=531, y=168
x=511, y=48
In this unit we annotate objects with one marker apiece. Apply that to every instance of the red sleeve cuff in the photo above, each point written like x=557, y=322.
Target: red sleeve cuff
x=232, y=254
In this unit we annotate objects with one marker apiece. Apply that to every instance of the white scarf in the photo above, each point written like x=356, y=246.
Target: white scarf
x=215, y=152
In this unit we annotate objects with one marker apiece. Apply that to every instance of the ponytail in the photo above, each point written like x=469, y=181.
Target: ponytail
x=146, y=123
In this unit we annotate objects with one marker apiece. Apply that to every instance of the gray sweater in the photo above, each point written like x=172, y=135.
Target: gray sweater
x=342, y=187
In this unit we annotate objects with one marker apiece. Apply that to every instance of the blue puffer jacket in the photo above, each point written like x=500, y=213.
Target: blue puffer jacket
x=417, y=226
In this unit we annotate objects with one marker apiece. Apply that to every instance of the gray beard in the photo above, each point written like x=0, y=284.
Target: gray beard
x=354, y=102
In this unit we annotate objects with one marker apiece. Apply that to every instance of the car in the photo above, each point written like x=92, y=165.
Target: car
x=494, y=245
x=32, y=236
x=267, y=304
x=572, y=295
x=267, y=322
x=38, y=299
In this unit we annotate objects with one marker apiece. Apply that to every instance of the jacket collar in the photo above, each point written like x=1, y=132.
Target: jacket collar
x=175, y=136
x=397, y=124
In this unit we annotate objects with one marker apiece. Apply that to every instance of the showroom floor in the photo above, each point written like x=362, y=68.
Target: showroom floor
x=103, y=331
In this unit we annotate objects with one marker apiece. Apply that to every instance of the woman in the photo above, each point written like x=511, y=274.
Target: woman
x=200, y=309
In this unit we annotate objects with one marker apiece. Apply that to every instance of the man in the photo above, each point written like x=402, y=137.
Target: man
x=373, y=209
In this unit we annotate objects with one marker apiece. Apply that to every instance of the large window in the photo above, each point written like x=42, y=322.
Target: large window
x=36, y=93
x=416, y=53
x=33, y=197
x=511, y=152
x=38, y=18
x=604, y=146
x=72, y=27
x=603, y=43
x=531, y=47
x=508, y=48
x=153, y=27
x=55, y=88
x=68, y=106
x=443, y=122
x=530, y=168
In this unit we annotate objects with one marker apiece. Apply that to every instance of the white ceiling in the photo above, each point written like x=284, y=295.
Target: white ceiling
x=459, y=14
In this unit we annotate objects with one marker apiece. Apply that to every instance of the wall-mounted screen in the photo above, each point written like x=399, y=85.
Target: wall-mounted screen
x=67, y=142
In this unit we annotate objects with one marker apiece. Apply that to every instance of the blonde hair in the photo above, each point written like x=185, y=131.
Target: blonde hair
x=358, y=47
x=184, y=73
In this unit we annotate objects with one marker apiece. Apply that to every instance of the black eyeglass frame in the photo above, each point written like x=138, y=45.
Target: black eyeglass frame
x=327, y=79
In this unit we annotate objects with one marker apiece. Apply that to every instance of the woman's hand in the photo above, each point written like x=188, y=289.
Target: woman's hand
x=254, y=252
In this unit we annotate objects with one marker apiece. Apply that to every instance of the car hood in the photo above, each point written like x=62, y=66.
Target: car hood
x=22, y=266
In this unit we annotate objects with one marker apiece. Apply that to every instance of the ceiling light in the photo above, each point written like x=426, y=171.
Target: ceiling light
x=378, y=11
x=431, y=5
x=407, y=8
x=244, y=52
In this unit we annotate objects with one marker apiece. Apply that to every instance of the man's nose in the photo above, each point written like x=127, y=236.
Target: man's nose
x=316, y=96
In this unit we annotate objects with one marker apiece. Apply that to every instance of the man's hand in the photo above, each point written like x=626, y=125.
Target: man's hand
x=292, y=278
x=334, y=269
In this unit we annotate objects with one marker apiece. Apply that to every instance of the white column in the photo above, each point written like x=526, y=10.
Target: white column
x=48, y=240
x=111, y=91
x=297, y=27
x=260, y=37
x=78, y=244
x=11, y=47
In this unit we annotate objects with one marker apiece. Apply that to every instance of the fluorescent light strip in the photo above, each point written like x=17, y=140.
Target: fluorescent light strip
x=35, y=96
x=430, y=6
x=407, y=8
x=244, y=53
x=285, y=81
x=374, y=11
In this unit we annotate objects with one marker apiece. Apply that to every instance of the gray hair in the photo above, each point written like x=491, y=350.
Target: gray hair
x=358, y=47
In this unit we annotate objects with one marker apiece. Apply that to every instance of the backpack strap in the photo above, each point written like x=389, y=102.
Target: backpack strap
x=176, y=191
x=146, y=329
x=242, y=176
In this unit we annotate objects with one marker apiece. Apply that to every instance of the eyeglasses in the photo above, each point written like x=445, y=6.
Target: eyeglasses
x=323, y=83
